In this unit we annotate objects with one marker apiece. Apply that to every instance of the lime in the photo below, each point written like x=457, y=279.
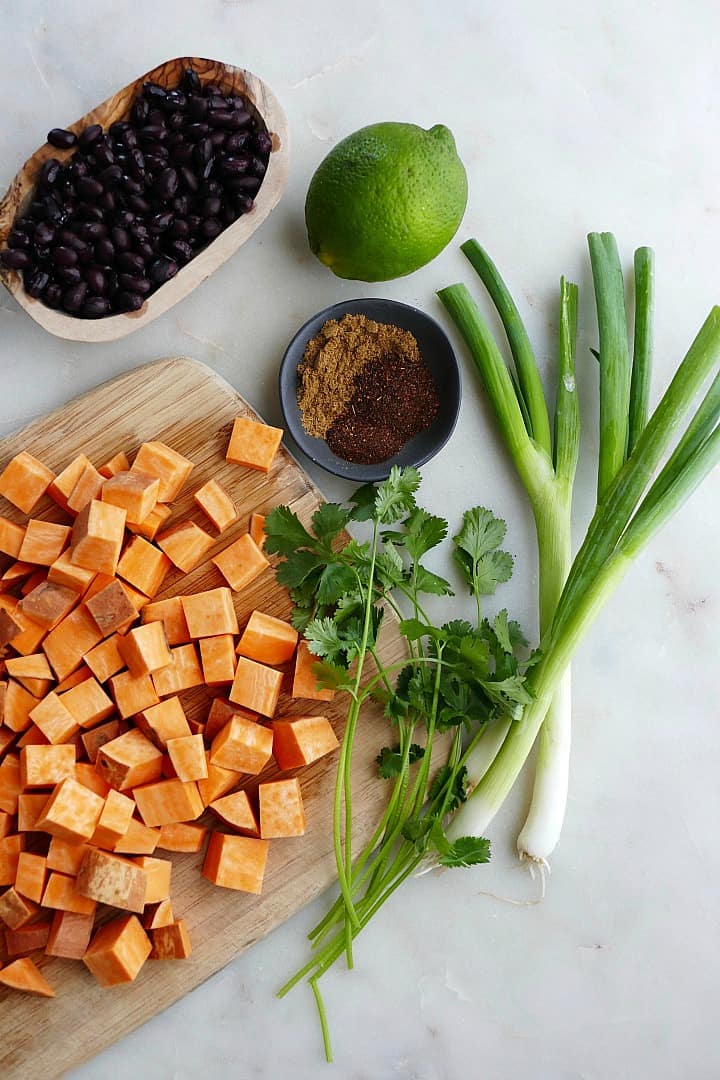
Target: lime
x=386, y=200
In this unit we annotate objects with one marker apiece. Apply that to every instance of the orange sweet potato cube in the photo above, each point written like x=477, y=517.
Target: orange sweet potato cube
x=10, y=625
x=71, y=812
x=69, y=935
x=182, y=836
x=143, y=565
x=48, y=604
x=86, y=775
x=10, y=783
x=118, y=463
x=241, y=562
x=242, y=745
x=62, y=486
x=217, y=655
x=167, y=801
x=158, y=873
x=87, y=703
x=134, y=490
x=61, y=895
x=6, y=824
x=267, y=639
x=219, y=781
x=118, y=951
x=24, y=481
x=216, y=504
x=129, y=760
x=253, y=444
x=57, y=724
x=88, y=487
x=171, y=468
x=104, y=660
x=256, y=687
x=19, y=704
x=220, y=712
x=97, y=537
x=210, y=613
x=182, y=673
x=132, y=693
x=171, y=942
x=46, y=766
x=164, y=721
x=111, y=879
x=185, y=544
x=151, y=525
x=31, y=875
x=95, y=738
x=144, y=649
x=138, y=840
x=11, y=537
x=111, y=607
x=237, y=812
x=65, y=572
x=236, y=862
x=281, y=809
x=16, y=910
x=65, y=857
x=23, y=975
x=187, y=755
x=10, y=849
x=27, y=939
x=33, y=666
x=256, y=529
x=305, y=681
x=300, y=740
x=114, y=820
x=170, y=613
x=44, y=542
x=66, y=644
x=156, y=915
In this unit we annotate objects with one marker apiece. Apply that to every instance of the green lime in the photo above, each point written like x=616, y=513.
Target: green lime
x=386, y=200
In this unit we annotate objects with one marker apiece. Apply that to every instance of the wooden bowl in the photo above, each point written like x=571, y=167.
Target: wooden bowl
x=261, y=100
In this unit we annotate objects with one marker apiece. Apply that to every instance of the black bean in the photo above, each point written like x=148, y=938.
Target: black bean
x=139, y=204
x=236, y=142
x=190, y=82
x=53, y=212
x=89, y=188
x=245, y=185
x=134, y=283
x=160, y=222
x=65, y=236
x=53, y=295
x=112, y=175
x=162, y=270
x=20, y=240
x=153, y=93
x=69, y=275
x=88, y=212
x=181, y=251
x=93, y=230
x=175, y=121
x=73, y=297
x=61, y=138
x=174, y=99
x=228, y=214
x=139, y=111
x=181, y=205
x=146, y=249
x=244, y=203
x=118, y=129
x=36, y=282
x=156, y=132
x=196, y=130
x=108, y=200
x=210, y=228
x=86, y=255
x=258, y=167
x=263, y=143
x=104, y=156
x=49, y=172
x=104, y=252
x=197, y=108
x=90, y=135
x=183, y=153
x=95, y=306
x=42, y=254
x=97, y=282
x=167, y=183
x=15, y=259
x=215, y=100
x=235, y=165
x=120, y=238
x=223, y=119
x=64, y=256
x=212, y=187
x=131, y=262
x=194, y=221
x=207, y=169
x=203, y=151
x=211, y=206
x=128, y=301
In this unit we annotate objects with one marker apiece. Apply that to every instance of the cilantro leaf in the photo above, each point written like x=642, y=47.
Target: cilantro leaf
x=465, y=851
x=492, y=570
x=390, y=760
x=396, y=495
x=329, y=520
x=324, y=640
x=502, y=630
x=457, y=793
x=363, y=502
x=482, y=565
x=284, y=533
x=427, y=582
x=414, y=629
x=424, y=531
x=296, y=568
x=335, y=581
x=481, y=532
x=389, y=566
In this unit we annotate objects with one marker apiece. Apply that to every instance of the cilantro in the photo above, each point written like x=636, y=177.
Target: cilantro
x=465, y=851
x=390, y=760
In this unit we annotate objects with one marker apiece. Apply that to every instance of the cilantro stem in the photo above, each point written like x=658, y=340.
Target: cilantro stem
x=323, y=1019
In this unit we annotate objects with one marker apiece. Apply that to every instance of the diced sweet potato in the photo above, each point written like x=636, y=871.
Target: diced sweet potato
x=114, y=820
x=187, y=755
x=210, y=613
x=257, y=529
x=185, y=544
x=170, y=613
x=160, y=914
x=300, y=740
x=10, y=626
x=34, y=666
x=65, y=572
x=53, y=719
x=86, y=775
x=182, y=836
x=164, y=721
x=242, y=746
x=23, y=975
x=19, y=704
x=167, y=464
x=256, y=687
x=24, y=481
x=87, y=703
x=216, y=504
x=44, y=542
x=66, y=645
x=241, y=562
x=150, y=526
x=69, y=935
x=143, y=565
x=281, y=809
x=237, y=812
x=96, y=738
x=6, y=824
x=46, y=766
x=217, y=655
x=168, y=801
x=62, y=486
x=61, y=895
x=144, y=649
x=253, y=444
x=118, y=951
x=16, y=910
x=305, y=681
x=118, y=463
x=140, y=839
x=219, y=781
x=111, y=608
x=110, y=879
x=105, y=660
x=134, y=490
x=97, y=537
x=129, y=760
x=132, y=694
x=182, y=673
x=27, y=939
x=65, y=857
x=10, y=849
x=10, y=783
x=71, y=812
x=267, y=639
x=11, y=537
x=30, y=810
x=48, y=603
x=158, y=874
x=170, y=942
x=31, y=875
x=88, y=486
x=221, y=710
x=236, y=862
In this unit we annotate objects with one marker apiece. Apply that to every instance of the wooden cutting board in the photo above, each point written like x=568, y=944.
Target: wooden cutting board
x=188, y=406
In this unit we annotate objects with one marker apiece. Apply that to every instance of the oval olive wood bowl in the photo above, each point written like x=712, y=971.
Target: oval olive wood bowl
x=231, y=79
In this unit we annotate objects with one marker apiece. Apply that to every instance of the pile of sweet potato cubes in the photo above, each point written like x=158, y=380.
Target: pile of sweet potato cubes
x=99, y=764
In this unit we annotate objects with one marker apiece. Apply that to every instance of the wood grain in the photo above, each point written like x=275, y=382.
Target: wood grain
x=266, y=107
x=190, y=407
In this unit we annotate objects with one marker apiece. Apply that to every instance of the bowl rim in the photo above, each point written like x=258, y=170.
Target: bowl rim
x=348, y=470
x=205, y=262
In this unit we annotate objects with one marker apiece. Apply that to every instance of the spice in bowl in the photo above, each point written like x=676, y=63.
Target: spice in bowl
x=364, y=387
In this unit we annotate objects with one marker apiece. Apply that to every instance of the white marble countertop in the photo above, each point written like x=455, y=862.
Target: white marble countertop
x=569, y=118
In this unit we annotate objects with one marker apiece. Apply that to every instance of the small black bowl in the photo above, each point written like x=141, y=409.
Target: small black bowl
x=436, y=351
